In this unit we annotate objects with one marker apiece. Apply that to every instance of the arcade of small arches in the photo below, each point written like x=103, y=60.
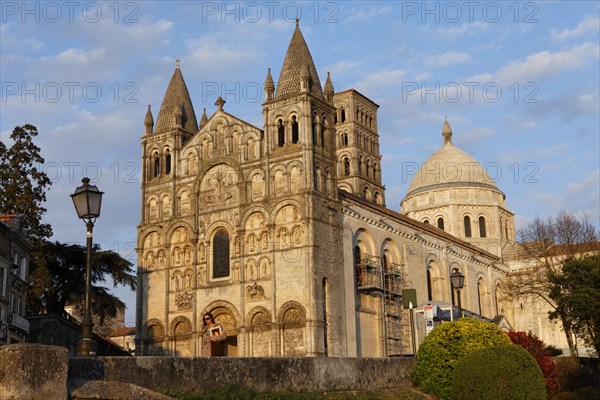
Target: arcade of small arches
x=222, y=252
x=387, y=255
x=364, y=116
x=440, y=222
x=439, y=288
x=259, y=333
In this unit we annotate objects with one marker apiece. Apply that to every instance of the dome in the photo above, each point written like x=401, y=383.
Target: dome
x=450, y=167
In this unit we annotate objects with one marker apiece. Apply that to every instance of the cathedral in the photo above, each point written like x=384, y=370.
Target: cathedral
x=283, y=234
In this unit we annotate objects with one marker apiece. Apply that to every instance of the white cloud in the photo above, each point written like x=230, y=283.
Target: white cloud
x=362, y=14
x=466, y=29
x=590, y=23
x=545, y=63
x=376, y=82
x=550, y=151
x=448, y=58
x=588, y=185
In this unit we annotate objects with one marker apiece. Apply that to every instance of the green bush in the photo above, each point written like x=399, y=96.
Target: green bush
x=448, y=343
x=505, y=372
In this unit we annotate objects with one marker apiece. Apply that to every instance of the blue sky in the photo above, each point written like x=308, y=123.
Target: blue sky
x=518, y=81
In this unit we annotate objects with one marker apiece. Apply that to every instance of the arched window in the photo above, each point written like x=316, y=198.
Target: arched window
x=343, y=115
x=440, y=223
x=314, y=130
x=221, y=254
x=358, y=266
x=482, y=232
x=479, y=291
x=323, y=126
x=156, y=166
x=295, y=136
x=360, y=165
x=167, y=162
x=375, y=172
x=426, y=221
x=429, y=285
x=368, y=168
x=326, y=182
x=346, y=166
x=506, y=230
x=345, y=139
x=280, y=134
x=467, y=221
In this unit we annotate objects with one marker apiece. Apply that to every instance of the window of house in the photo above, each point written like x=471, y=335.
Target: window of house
x=440, y=223
x=221, y=254
x=280, y=134
x=467, y=221
x=167, y=162
x=482, y=232
x=295, y=135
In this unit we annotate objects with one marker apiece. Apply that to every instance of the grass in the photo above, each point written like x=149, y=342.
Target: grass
x=234, y=392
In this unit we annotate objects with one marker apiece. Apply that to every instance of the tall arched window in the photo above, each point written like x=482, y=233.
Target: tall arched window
x=479, y=290
x=482, y=232
x=325, y=315
x=280, y=134
x=156, y=166
x=221, y=254
x=346, y=166
x=368, y=168
x=429, y=286
x=295, y=135
x=323, y=128
x=167, y=162
x=467, y=221
x=440, y=223
x=358, y=266
x=343, y=115
x=506, y=230
x=314, y=130
x=345, y=139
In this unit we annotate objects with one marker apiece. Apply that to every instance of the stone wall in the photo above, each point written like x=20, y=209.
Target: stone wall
x=33, y=372
x=274, y=374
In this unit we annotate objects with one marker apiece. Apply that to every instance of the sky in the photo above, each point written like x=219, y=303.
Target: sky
x=518, y=81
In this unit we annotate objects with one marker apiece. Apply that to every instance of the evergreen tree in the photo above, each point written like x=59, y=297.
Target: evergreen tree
x=22, y=184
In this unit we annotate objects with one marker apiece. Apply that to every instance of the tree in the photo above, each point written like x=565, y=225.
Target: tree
x=58, y=279
x=544, y=246
x=22, y=185
x=576, y=291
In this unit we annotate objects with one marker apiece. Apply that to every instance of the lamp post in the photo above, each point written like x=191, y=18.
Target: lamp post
x=458, y=281
x=87, y=200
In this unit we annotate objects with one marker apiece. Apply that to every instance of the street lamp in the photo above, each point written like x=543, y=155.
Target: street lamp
x=458, y=281
x=87, y=200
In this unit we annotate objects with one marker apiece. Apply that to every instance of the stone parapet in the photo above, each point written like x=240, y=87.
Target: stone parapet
x=307, y=374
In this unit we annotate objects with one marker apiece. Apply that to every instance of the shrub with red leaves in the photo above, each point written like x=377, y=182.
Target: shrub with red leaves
x=537, y=349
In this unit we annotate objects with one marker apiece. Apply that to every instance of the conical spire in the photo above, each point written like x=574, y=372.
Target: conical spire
x=203, y=120
x=447, y=132
x=269, y=86
x=328, y=91
x=297, y=58
x=177, y=98
x=149, y=120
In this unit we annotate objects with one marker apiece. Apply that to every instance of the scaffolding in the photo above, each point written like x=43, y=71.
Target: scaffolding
x=386, y=280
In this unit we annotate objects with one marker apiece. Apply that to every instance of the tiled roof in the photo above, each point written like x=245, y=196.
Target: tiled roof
x=177, y=95
x=296, y=60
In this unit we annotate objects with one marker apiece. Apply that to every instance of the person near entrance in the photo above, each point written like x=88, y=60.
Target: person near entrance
x=213, y=335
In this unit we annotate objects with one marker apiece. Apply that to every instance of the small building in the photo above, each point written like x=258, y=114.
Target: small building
x=15, y=252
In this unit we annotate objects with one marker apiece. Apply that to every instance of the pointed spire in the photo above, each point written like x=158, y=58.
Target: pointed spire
x=296, y=60
x=328, y=91
x=149, y=121
x=269, y=86
x=176, y=95
x=203, y=120
x=447, y=132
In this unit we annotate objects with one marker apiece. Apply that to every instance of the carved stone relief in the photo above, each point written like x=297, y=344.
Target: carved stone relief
x=184, y=301
x=255, y=292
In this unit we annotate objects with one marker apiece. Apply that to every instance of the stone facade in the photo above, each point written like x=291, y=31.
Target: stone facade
x=15, y=252
x=281, y=232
